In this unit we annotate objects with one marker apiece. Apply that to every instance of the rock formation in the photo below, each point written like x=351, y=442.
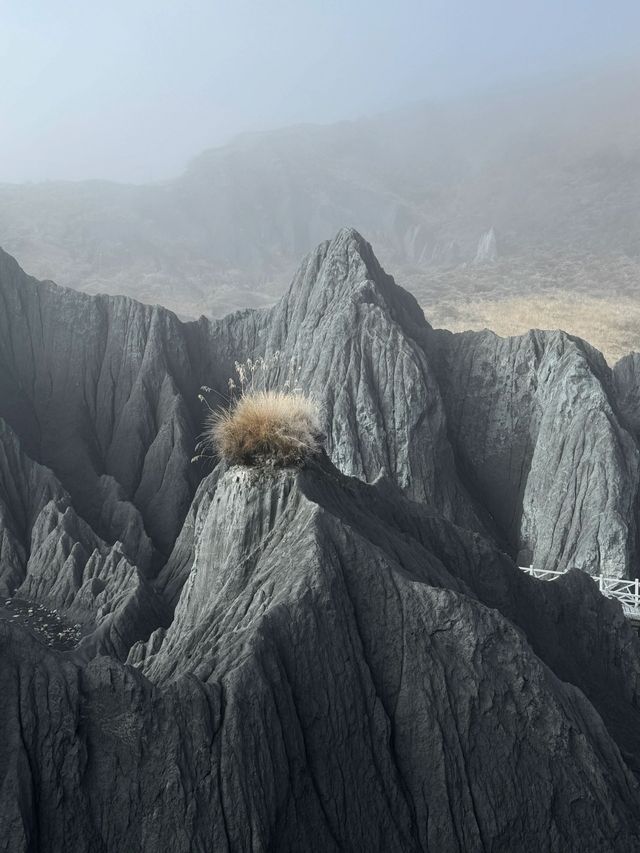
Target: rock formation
x=487, y=251
x=536, y=423
x=338, y=656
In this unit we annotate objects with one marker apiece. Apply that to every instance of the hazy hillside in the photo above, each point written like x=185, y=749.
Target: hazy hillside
x=555, y=170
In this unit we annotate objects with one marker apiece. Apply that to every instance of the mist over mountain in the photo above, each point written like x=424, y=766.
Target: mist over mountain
x=320, y=427
x=553, y=168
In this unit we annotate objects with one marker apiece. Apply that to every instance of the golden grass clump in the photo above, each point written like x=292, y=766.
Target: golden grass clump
x=277, y=427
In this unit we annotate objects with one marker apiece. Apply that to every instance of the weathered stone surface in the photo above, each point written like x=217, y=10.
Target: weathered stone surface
x=358, y=340
x=119, y=401
x=330, y=683
x=91, y=386
x=626, y=379
x=497, y=435
x=321, y=663
x=25, y=490
x=535, y=424
x=48, y=555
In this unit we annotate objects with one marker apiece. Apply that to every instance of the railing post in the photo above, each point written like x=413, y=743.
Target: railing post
x=636, y=594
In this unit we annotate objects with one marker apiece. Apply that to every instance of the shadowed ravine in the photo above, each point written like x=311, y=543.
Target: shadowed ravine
x=341, y=656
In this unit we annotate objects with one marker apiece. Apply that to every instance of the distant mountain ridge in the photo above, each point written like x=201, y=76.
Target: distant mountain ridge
x=554, y=169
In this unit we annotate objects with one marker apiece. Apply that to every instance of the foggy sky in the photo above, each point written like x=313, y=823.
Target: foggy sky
x=130, y=91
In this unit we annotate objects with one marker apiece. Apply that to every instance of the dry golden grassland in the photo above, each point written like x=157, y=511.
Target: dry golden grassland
x=596, y=297
x=610, y=324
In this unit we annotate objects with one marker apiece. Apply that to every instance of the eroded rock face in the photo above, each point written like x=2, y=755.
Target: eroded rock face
x=329, y=682
x=25, y=490
x=315, y=661
x=52, y=557
x=358, y=340
x=92, y=386
x=497, y=435
x=626, y=378
x=536, y=423
x=119, y=401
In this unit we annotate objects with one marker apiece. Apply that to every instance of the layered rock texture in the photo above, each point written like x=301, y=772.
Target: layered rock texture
x=340, y=656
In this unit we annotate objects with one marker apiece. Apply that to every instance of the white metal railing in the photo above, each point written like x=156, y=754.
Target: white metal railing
x=625, y=591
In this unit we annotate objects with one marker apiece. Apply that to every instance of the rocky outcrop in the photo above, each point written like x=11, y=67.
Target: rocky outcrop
x=535, y=423
x=119, y=404
x=314, y=661
x=357, y=340
x=96, y=390
x=26, y=489
x=331, y=682
x=626, y=379
x=50, y=556
x=487, y=251
x=465, y=423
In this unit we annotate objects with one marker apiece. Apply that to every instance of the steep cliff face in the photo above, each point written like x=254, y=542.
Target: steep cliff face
x=499, y=435
x=315, y=661
x=243, y=518
x=96, y=388
x=328, y=682
x=358, y=340
x=51, y=557
x=26, y=489
x=626, y=379
x=103, y=390
x=536, y=423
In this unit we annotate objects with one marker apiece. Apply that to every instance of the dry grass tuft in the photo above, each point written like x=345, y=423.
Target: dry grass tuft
x=277, y=427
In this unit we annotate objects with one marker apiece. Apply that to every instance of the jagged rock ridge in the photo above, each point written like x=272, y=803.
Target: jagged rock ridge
x=320, y=663
x=124, y=398
x=283, y=718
